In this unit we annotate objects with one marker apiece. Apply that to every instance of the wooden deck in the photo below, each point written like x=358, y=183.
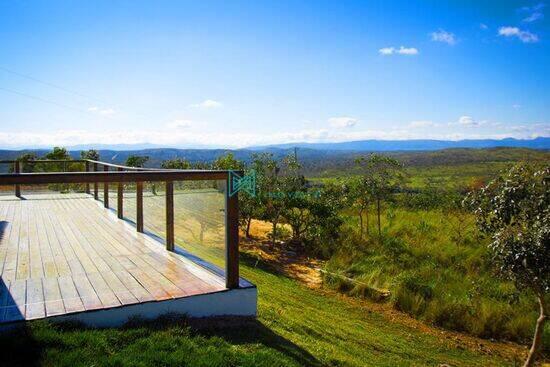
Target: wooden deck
x=66, y=254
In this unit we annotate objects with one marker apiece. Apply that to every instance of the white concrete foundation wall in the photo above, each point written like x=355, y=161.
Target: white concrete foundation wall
x=234, y=302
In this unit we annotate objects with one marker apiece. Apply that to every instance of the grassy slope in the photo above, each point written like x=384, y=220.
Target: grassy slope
x=296, y=326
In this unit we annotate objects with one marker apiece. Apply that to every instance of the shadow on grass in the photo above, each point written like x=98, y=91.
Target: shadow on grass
x=26, y=344
x=241, y=330
x=253, y=261
x=18, y=347
x=234, y=330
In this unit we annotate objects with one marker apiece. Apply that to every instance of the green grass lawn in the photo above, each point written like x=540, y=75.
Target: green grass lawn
x=296, y=326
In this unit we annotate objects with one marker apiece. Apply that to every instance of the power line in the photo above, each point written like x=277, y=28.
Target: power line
x=59, y=87
x=42, y=99
x=52, y=85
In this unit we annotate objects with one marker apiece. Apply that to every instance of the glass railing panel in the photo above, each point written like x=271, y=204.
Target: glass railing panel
x=199, y=219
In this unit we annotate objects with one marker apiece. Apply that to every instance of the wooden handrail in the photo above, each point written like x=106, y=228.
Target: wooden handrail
x=111, y=176
x=4, y=161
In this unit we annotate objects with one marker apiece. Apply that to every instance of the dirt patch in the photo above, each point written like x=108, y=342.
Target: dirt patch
x=308, y=271
x=286, y=261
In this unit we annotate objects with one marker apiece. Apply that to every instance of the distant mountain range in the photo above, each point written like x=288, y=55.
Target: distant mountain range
x=351, y=146
x=411, y=145
x=310, y=153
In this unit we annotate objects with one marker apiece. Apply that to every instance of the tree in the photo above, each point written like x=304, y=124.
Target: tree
x=296, y=199
x=228, y=162
x=359, y=198
x=382, y=176
x=323, y=230
x=91, y=154
x=24, y=159
x=176, y=163
x=515, y=210
x=136, y=161
x=269, y=193
x=247, y=204
x=58, y=153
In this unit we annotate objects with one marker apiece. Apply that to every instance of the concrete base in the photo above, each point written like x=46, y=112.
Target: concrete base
x=234, y=302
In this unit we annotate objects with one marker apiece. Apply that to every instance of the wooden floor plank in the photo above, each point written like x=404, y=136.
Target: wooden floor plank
x=8, y=218
x=16, y=307
x=124, y=295
x=103, y=291
x=35, y=258
x=135, y=287
x=23, y=257
x=35, y=299
x=71, y=299
x=150, y=284
x=4, y=297
x=52, y=297
x=61, y=264
x=87, y=294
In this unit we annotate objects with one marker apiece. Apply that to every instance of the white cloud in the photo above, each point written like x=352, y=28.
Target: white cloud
x=534, y=17
x=469, y=121
x=342, y=122
x=466, y=120
x=483, y=26
x=386, y=50
x=443, y=36
x=401, y=51
x=208, y=103
x=407, y=51
x=524, y=36
x=535, y=12
x=516, y=106
x=180, y=124
x=186, y=138
x=422, y=123
x=101, y=111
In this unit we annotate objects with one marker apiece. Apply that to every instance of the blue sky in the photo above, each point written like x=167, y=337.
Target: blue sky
x=238, y=73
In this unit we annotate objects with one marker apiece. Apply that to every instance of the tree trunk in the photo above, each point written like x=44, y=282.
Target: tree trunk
x=378, y=213
x=274, y=233
x=367, y=215
x=247, y=232
x=361, y=224
x=537, y=339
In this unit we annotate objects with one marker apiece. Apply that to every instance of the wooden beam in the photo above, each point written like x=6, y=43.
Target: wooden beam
x=120, y=198
x=170, y=215
x=106, y=190
x=17, y=169
x=232, y=241
x=87, y=168
x=96, y=186
x=139, y=206
x=111, y=176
